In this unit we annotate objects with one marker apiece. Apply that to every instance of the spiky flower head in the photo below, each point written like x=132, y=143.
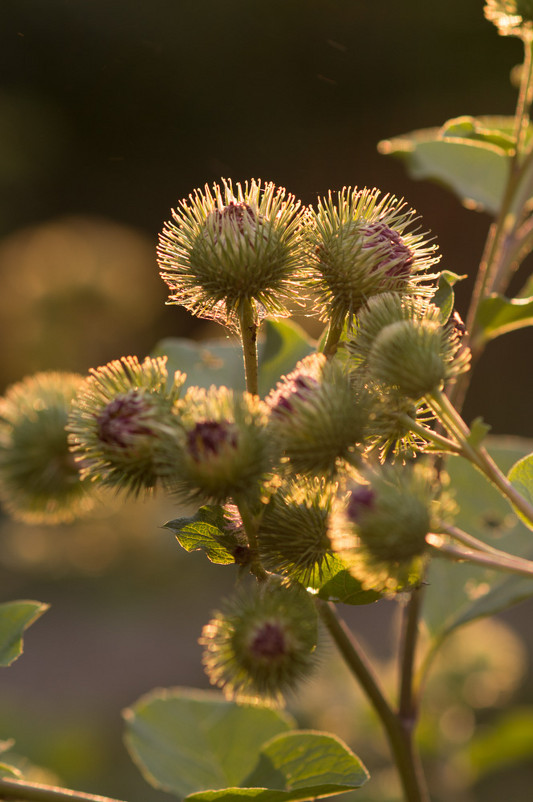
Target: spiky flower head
x=233, y=244
x=315, y=417
x=363, y=244
x=511, y=17
x=293, y=534
x=262, y=644
x=224, y=449
x=404, y=346
x=123, y=425
x=39, y=479
x=380, y=526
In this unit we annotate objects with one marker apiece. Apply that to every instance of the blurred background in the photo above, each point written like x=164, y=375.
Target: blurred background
x=111, y=111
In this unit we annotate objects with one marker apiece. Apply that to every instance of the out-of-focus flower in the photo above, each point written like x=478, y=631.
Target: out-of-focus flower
x=39, y=479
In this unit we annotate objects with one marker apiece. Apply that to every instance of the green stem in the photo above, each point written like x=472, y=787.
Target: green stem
x=399, y=732
x=248, y=329
x=251, y=525
x=477, y=455
x=36, y=792
x=332, y=339
x=407, y=708
x=445, y=444
x=515, y=565
x=469, y=540
x=524, y=100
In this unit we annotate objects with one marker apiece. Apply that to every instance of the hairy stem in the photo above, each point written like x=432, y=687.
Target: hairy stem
x=36, y=792
x=248, y=330
x=399, y=732
x=407, y=708
x=332, y=339
x=251, y=525
x=503, y=562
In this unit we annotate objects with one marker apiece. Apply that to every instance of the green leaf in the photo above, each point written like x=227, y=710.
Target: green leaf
x=458, y=593
x=284, y=345
x=495, y=130
x=444, y=298
x=10, y=772
x=15, y=617
x=205, y=531
x=476, y=170
x=298, y=766
x=185, y=741
x=478, y=431
x=335, y=583
x=521, y=475
x=207, y=362
x=498, y=315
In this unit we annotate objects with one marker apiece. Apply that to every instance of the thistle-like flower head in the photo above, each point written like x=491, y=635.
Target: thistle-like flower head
x=404, y=347
x=293, y=534
x=511, y=17
x=39, y=479
x=262, y=644
x=123, y=425
x=363, y=244
x=233, y=244
x=224, y=445
x=380, y=526
x=315, y=418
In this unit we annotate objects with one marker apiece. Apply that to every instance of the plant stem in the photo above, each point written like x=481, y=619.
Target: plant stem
x=477, y=455
x=445, y=444
x=504, y=562
x=250, y=524
x=248, y=329
x=399, y=732
x=407, y=708
x=36, y=792
x=469, y=540
x=332, y=339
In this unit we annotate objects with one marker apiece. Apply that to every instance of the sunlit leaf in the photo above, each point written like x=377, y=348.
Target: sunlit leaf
x=15, y=618
x=521, y=475
x=444, y=298
x=499, y=315
x=205, y=531
x=335, y=583
x=298, y=766
x=185, y=741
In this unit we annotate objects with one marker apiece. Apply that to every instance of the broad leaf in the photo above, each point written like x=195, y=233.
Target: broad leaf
x=498, y=315
x=205, y=531
x=298, y=766
x=283, y=346
x=475, y=169
x=458, y=593
x=207, y=362
x=186, y=741
x=521, y=475
x=335, y=583
x=15, y=617
x=444, y=298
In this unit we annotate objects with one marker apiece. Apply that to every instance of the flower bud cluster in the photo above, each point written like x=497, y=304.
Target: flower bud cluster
x=511, y=17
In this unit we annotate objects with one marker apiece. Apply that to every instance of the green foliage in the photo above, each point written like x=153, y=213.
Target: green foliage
x=499, y=315
x=205, y=532
x=468, y=155
x=444, y=297
x=15, y=618
x=194, y=743
x=521, y=475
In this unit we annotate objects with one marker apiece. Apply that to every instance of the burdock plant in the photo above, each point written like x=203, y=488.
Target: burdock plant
x=351, y=478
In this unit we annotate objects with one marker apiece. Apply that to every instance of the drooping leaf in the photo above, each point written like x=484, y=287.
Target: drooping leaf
x=444, y=298
x=205, y=531
x=15, y=618
x=458, y=593
x=284, y=344
x=335, y=583
x=207, y=362
x=499, y=315
x=185, y=741
x=521, y=476
x=475, y=169
x=297, y=766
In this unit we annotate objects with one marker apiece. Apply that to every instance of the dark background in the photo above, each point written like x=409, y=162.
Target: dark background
x=111, y=111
